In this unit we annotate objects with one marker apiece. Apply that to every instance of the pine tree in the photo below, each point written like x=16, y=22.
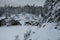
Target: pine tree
x=53, y=10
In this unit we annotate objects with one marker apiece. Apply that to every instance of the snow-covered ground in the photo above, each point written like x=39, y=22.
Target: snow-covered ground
x=36, y=33
x=48, y=31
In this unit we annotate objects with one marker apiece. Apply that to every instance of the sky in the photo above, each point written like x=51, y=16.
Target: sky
x=22, y=2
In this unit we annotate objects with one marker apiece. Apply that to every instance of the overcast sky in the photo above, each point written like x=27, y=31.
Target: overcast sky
x=21, y=2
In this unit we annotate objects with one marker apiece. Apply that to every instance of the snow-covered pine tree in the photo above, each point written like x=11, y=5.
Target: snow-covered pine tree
x=53, y=10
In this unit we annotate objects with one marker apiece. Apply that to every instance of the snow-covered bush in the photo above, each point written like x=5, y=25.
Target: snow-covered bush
x=27, y=23
x=57, y=26
x=17, y=37
x=2, y=22
x=27, y=34
x=14, y=22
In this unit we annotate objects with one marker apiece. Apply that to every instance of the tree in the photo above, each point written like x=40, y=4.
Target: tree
x=52, y=8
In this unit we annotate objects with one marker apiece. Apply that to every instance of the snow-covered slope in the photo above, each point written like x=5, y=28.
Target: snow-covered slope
x=30, y=32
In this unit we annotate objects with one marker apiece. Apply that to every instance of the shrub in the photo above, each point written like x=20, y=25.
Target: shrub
x=15, y=22
x=2, y=22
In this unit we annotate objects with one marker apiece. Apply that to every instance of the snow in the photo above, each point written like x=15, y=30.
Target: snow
x=2, y=17
x=43, y=33
x=57, y=6
x=22, y=17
